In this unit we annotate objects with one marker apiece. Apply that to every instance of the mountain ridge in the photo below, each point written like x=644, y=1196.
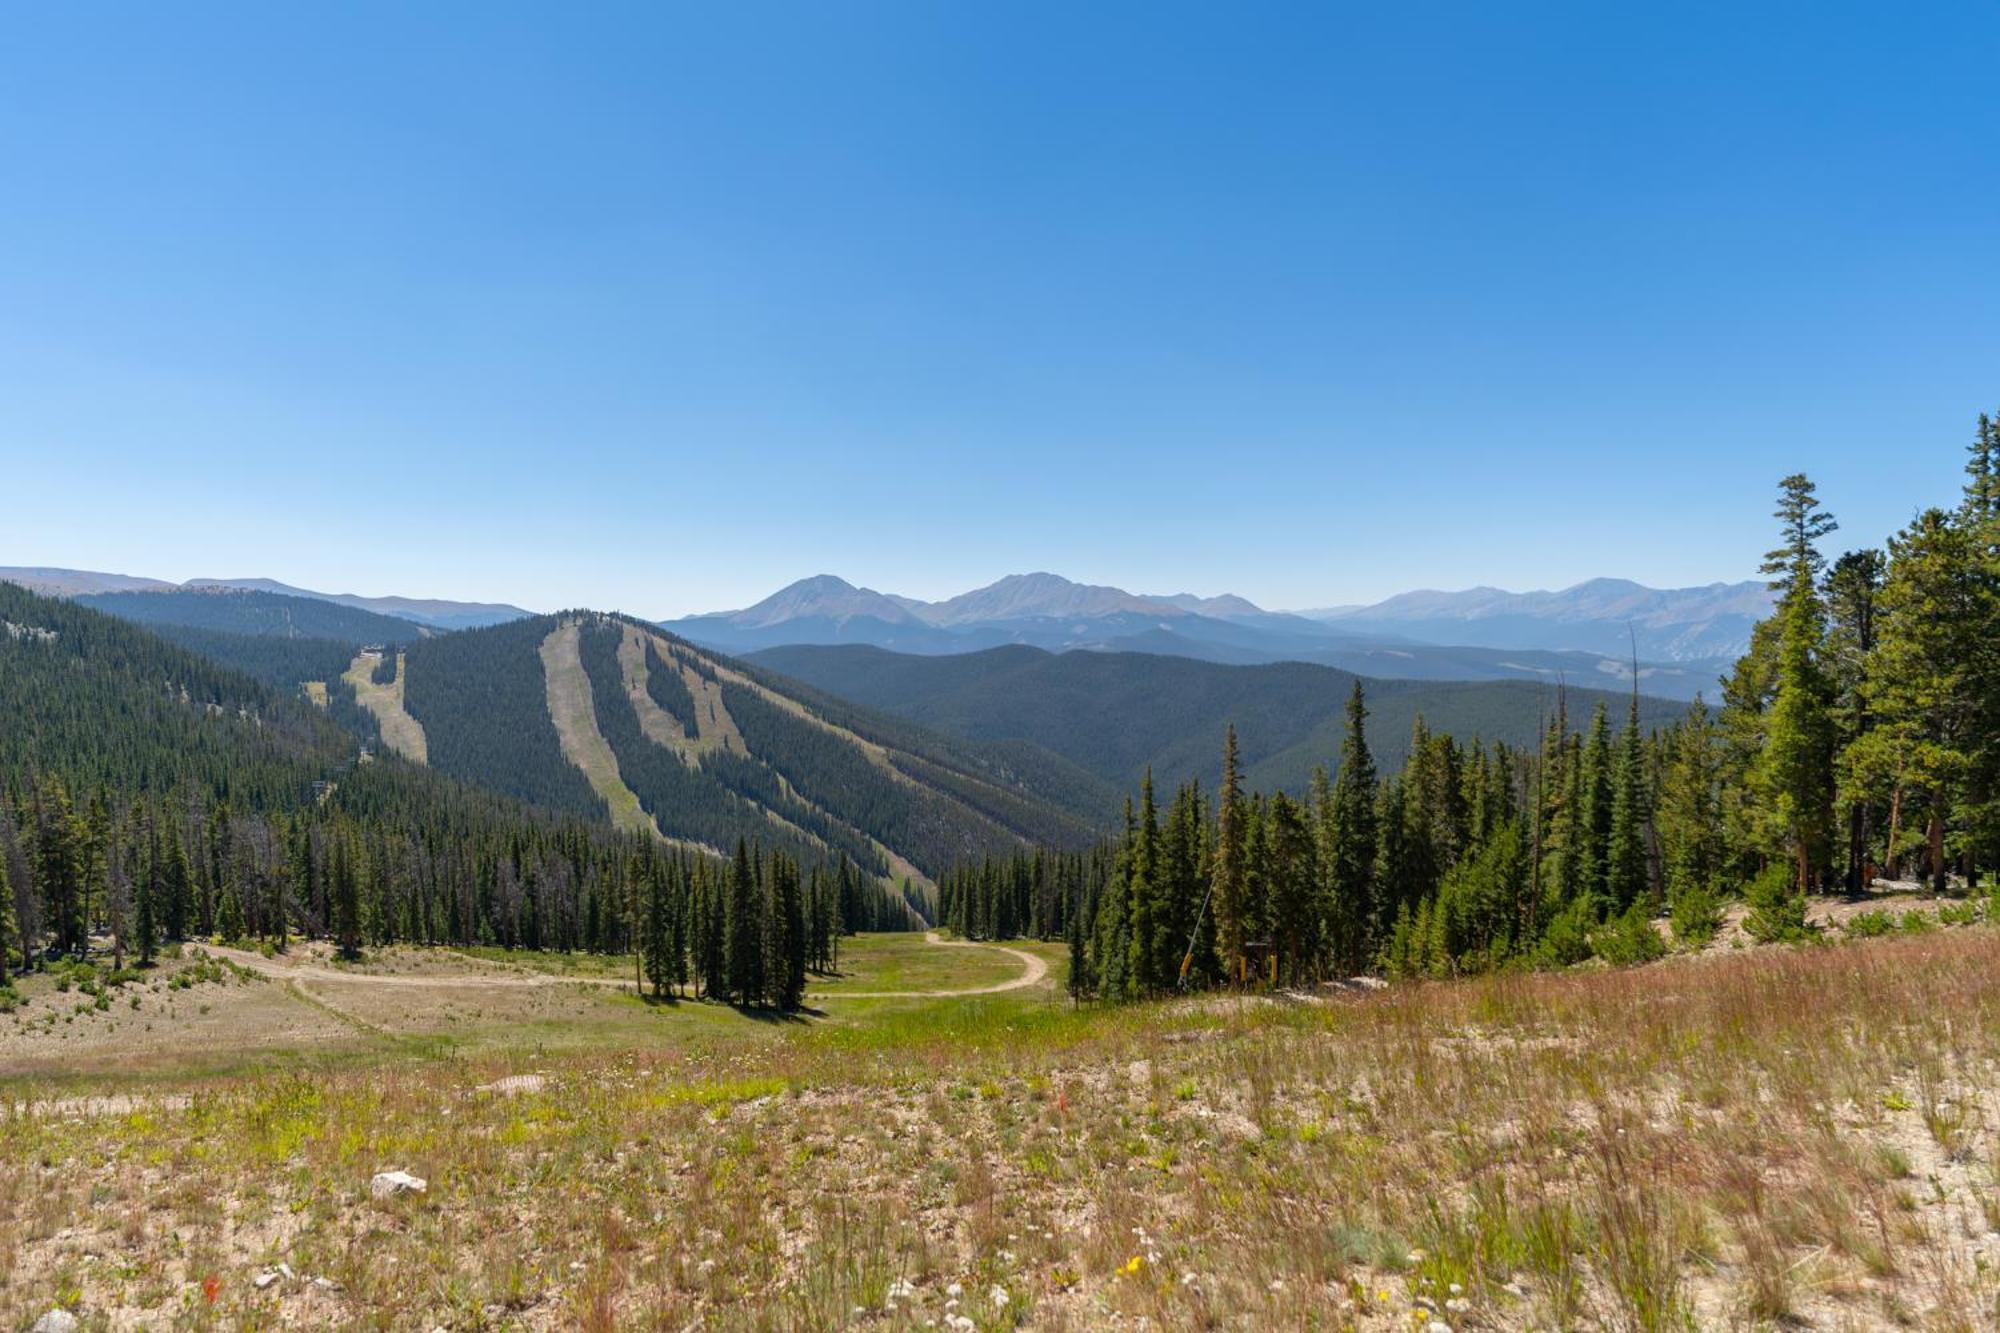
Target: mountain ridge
x=436, y=612
x=1050, y=612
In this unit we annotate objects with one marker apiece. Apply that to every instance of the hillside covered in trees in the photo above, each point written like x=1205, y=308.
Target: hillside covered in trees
x=248, y=611
x=711, y=752
x=1859, y=737
x=152, y=795
x=1119, y=715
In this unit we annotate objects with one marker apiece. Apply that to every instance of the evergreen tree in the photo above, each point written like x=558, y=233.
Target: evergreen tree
x=1923, y=672
x=10, y=921
x=146, y=897
x=656, y=933
x=229, y=913
x=785, y=958
x=1794, y=767
x=1143, y=973
x=1689, y=816
x=1230, y=889
x=178, y=887
x=1853, y=592
x=1594, y=812
x=60, y=850
x=345, y=893
x=1628, y=861
x=1354, y=911
x=743, y=929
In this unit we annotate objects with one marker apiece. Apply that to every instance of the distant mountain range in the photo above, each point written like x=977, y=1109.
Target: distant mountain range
x=1669, y=624
x=1685, y=638
x=434, y=612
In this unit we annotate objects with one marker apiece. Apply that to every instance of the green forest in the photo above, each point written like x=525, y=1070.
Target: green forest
x=153, y=796
x=1858, y=738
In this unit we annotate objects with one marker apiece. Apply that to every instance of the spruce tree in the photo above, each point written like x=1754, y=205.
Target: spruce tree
x=345, y=893
x=1628, y=861
x=1143, y=907
x=1794, y=768
x=10, y=922
x=1593, y=829
x=1853, y=595
x=229, y=912
x=1355, y=912
x=786, y=965
x=1230, y=905
x=743, y=929
x=177, y=886
x=655, y=931
x=146, y=896
x=1924, y=672
x=60, y=867
x=1114, y=928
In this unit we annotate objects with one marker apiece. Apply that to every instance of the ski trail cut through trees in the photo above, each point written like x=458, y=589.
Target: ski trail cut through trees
x=400, y=731
x=575, y=716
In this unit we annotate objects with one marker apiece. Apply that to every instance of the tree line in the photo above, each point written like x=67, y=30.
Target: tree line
x=1858, y=737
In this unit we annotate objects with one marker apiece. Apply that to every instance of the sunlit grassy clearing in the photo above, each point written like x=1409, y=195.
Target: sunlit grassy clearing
x=1705, y=1143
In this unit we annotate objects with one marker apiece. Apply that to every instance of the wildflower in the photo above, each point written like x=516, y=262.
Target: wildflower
x=998, y=1296
x=1133, y=1265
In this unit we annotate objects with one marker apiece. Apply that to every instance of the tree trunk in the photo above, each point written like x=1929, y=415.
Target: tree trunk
x=1895, y=827
x=1857, y=844
x=1937, y=852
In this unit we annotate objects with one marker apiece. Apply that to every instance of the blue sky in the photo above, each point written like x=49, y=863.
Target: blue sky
x=659, y=307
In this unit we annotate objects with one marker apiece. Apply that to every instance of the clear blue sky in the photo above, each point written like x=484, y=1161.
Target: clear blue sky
x=660, y=307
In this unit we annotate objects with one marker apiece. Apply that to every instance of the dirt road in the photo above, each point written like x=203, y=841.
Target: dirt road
x=299, y=973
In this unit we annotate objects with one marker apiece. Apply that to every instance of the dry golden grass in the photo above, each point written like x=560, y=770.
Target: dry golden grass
x=1731, y=1141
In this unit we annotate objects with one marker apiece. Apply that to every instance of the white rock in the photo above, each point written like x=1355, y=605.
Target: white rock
x=998, y=1296
x=386, y=1184
x=263, y=1280
x=56, y=1321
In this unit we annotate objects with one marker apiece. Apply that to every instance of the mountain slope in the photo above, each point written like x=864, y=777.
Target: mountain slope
x=246, y=611
x=1115, y=714
x=437, y=613
x=605, y=715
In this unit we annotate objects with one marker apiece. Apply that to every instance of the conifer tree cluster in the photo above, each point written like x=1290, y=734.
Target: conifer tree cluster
x=1858, y=738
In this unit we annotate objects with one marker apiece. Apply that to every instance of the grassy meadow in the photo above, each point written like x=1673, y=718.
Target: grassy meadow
x=1752, y=1138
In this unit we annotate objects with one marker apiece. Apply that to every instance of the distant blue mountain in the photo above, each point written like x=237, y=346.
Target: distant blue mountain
x=1052, y=613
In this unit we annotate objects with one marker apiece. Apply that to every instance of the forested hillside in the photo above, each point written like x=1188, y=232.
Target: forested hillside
x=1859, y=736
x=244, y=611
x=1119, y=714
x=151, y=795
x=607, y=716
